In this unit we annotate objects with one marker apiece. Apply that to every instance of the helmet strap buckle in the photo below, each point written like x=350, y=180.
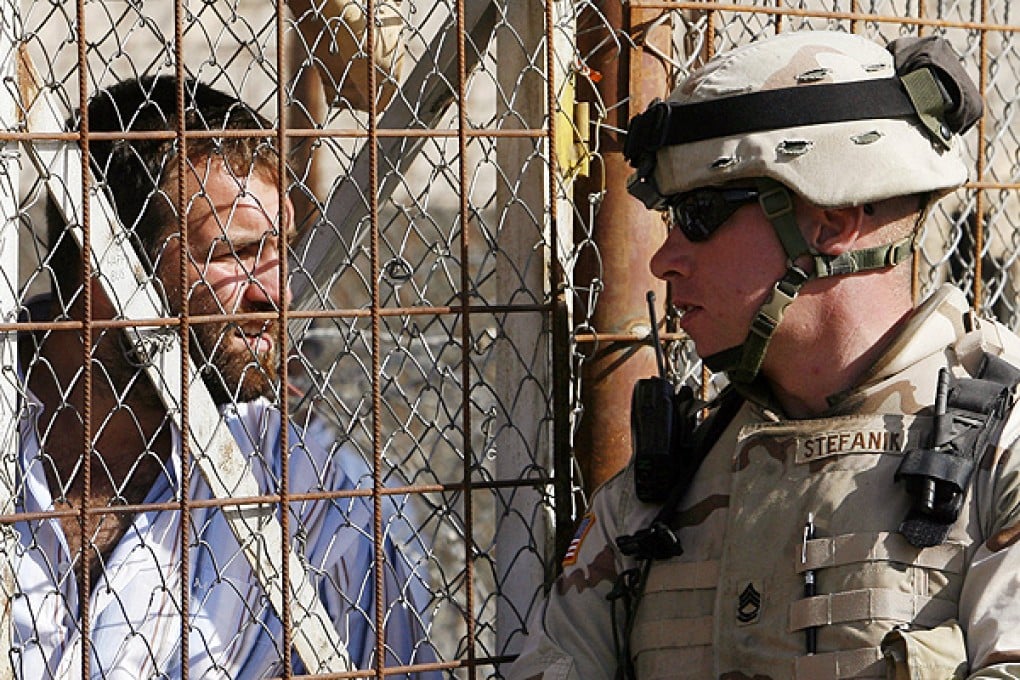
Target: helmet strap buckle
x=765, y=323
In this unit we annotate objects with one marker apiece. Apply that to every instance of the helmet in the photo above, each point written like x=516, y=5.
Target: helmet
x=811, y=109
x=831, y=116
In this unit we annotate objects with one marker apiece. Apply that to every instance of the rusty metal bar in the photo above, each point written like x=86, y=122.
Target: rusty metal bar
x=292, y=133
x=372, y=148
x=286, y=617
x=184, y=334
x=463, y=124
x=85, y=580
x=638, y=337
x=979, y=197
x=238, y=501
x=821, y=14
x=479, y=662
x=376, y=305
x=197, y=319
x=412, y=133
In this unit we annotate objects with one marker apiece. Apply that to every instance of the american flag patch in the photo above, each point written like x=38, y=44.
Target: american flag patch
x=575, y=544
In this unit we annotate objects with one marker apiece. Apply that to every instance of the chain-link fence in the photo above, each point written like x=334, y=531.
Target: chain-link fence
x=467, y=312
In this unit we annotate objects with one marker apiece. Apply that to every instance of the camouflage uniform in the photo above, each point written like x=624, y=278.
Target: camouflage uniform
x=732, y=605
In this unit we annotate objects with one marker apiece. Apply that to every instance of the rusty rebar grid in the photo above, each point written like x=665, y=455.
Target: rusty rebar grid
x=441, y=318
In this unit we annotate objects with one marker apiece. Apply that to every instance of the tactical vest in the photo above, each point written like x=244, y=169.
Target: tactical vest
x=886, y=548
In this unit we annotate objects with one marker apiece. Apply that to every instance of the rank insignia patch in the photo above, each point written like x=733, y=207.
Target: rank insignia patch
x=587, y=522
x=748, y=604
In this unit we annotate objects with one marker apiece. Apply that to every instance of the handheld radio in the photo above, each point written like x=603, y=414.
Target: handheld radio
x=658, y=426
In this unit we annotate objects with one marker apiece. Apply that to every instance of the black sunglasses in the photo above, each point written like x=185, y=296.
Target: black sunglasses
x=698, y=213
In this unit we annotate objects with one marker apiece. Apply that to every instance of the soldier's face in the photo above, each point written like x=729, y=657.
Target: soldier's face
x=235, y=243
x=719, y=284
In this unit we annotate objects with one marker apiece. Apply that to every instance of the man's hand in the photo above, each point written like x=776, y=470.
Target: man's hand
x=335, y=33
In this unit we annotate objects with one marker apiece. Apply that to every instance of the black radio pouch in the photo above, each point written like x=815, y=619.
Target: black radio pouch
x=669, y=446
x=662, y=423
x=969, y=416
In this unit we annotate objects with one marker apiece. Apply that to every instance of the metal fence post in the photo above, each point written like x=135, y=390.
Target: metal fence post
x=624, y=232
x=531, y=210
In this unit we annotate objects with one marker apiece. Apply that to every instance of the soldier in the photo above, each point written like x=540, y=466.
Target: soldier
x=849, y=508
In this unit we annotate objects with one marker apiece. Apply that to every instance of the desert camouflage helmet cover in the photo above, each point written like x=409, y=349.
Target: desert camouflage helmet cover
x=874, y=145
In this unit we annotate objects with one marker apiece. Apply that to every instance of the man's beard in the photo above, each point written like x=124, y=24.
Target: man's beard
x=233, y=371
x=233, y=374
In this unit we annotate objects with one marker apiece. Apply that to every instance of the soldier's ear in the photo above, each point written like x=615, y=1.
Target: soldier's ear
x=834, y=231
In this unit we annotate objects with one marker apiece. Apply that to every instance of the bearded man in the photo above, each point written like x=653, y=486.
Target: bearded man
x=130, y=585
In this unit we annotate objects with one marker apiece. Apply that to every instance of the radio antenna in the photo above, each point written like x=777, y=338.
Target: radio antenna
x=660, y=360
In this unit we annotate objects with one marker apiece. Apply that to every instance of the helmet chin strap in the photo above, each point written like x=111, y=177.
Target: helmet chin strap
x=743, y=362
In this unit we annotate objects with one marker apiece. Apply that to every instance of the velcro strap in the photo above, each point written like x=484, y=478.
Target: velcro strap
x=669, y=576
x=998, y=370
x=867, y=662
x=870, y=604
x=764, y=324
x=674, y=633
x=670, y=123
x=944, y=466
x=981, y=395
x=726, y=360
x=835, y=551
x=929, y=99
x=783, y=293
x=777, y=204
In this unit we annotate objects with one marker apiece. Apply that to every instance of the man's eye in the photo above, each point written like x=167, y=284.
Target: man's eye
x=227, y=254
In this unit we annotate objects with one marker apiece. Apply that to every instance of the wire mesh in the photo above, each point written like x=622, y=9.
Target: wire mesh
x=392, y=366
x=447, y=276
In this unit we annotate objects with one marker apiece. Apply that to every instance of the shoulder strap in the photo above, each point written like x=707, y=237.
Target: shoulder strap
x=969, y=416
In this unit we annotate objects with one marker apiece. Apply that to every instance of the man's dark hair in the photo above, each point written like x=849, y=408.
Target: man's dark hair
x=139, y=174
